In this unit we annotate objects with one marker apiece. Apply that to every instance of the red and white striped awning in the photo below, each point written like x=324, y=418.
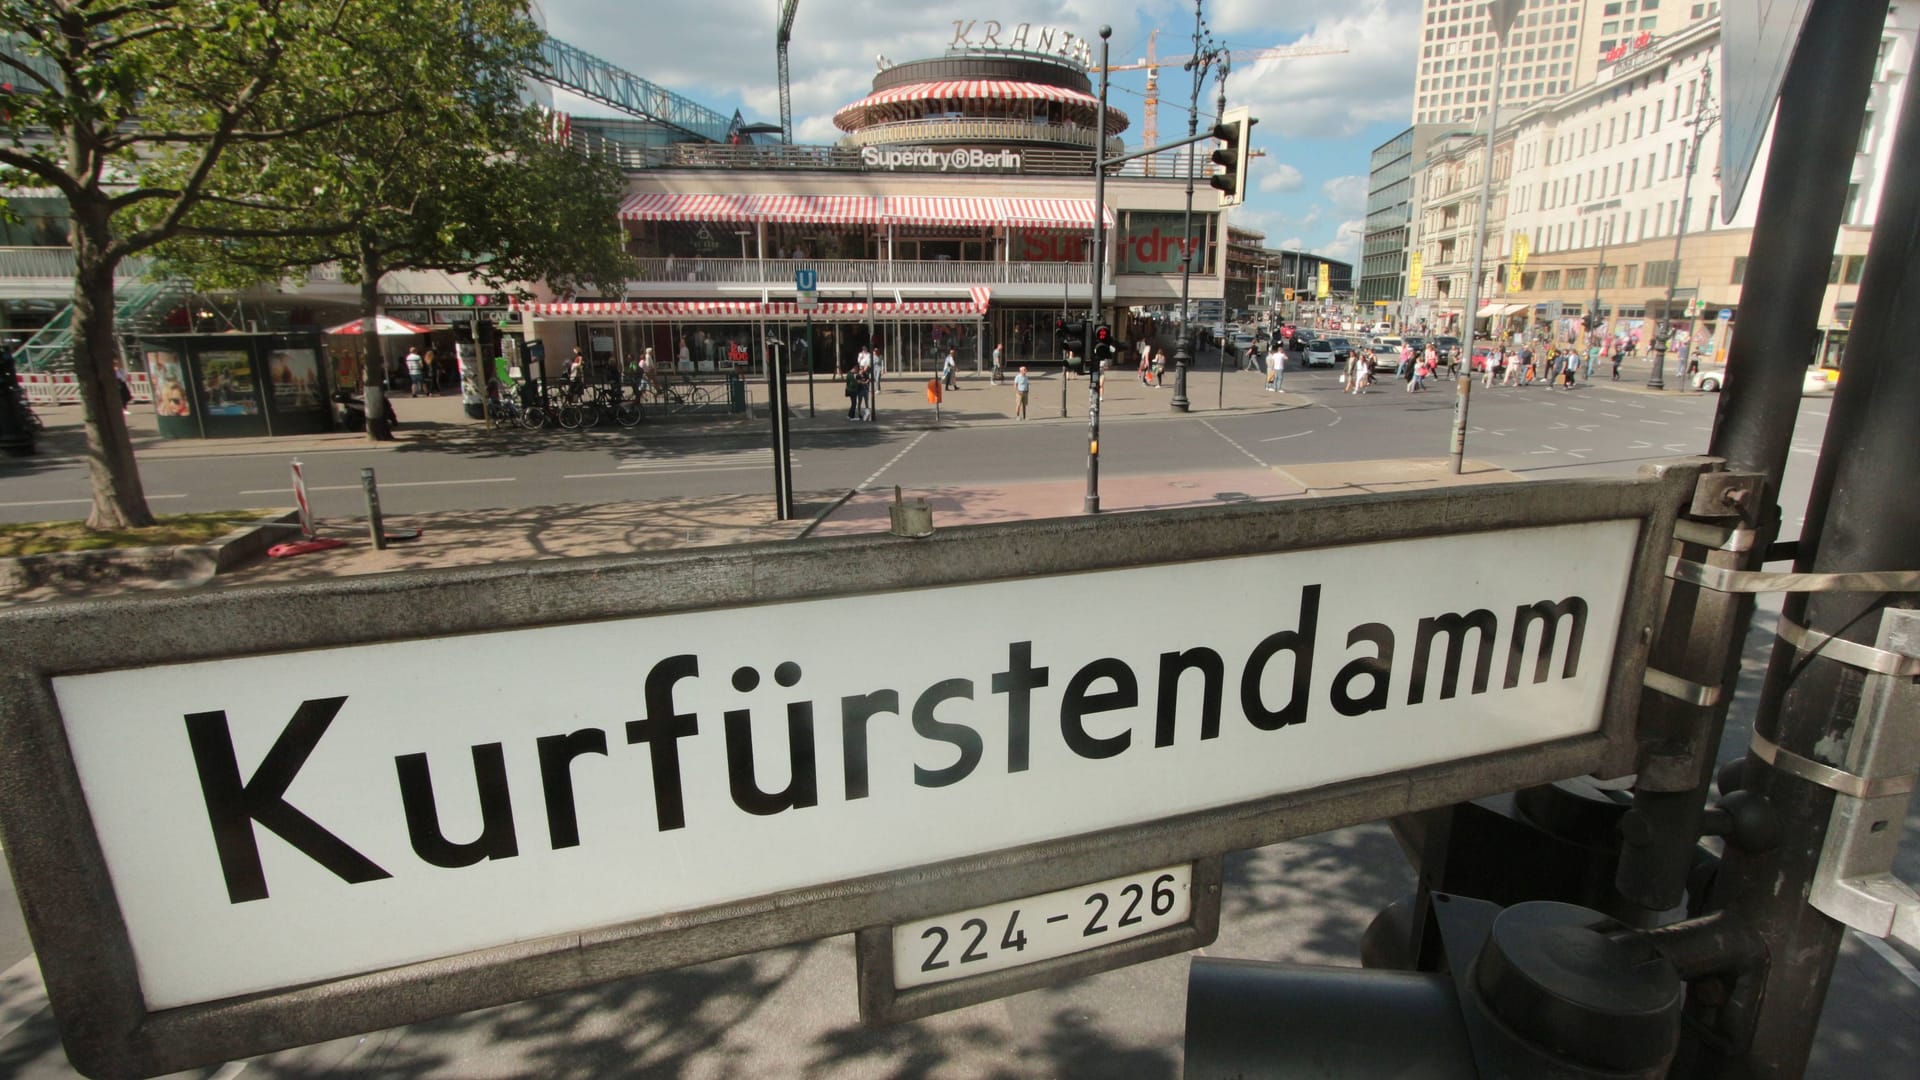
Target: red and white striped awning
x=748, y=310
x=663, y=207
x=941, y=210
x=1052, y=213
x=855, y=115
x=819, y=209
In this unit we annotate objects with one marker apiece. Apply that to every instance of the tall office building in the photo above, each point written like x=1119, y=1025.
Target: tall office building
x=1544, y=57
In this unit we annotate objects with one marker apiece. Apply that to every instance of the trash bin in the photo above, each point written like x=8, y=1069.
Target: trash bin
x=736, y=392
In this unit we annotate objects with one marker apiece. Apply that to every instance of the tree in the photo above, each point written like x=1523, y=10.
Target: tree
x=130, y=107
x=491, y=195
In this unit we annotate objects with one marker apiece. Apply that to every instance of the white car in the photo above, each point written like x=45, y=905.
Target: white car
x=1817, y=380
x=1320, y=353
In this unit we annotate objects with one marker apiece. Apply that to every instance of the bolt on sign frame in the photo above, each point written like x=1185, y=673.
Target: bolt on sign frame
x=252, y=818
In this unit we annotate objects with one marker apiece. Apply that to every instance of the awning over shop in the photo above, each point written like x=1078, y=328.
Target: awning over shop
x=974, y=90
x=1053, y=213
x=751, y=310
x=662, y=207
x=1492, y=310
x=818, y=209
x=941, y=210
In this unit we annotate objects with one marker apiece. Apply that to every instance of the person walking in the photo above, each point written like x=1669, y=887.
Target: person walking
x=1618, y=355
x=853, y=394
x=1276, y=367
x=864, y=374
x=1020, y=387
x=999, y=359
x=1146, y=368
x=1159, y=368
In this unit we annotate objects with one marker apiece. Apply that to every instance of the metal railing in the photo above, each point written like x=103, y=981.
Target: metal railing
x=846, y=157
x=841, y=274
x=56, y=264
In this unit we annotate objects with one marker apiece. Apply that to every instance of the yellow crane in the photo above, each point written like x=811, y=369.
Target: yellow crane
x=1150, y=128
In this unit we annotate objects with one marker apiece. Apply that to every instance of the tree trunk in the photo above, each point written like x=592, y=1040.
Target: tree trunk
x=119, y=499
x=375, y=391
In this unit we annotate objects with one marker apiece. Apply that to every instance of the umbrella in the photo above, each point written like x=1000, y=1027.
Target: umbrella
x=386, y=327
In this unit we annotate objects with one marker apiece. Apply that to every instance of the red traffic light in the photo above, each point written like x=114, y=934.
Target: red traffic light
x=1103, y=334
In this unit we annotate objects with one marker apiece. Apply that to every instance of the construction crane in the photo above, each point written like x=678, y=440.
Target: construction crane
x=781, y=37
x=1150, y=129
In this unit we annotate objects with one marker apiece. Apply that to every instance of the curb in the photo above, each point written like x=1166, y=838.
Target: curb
x=182, y=564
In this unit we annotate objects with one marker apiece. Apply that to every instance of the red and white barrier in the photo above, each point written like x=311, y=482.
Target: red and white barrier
x=51, y=389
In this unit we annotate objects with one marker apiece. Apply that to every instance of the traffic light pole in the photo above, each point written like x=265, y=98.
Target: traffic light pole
x=1501, y=14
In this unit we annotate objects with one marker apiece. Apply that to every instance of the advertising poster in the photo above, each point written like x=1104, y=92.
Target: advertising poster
x=170, y=397
x=226, y=383
x=1152, y=242
x=296, y=378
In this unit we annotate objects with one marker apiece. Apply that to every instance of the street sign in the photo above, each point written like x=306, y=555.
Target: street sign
x=806, y=280
x=809, y=299
x=1726, y=314
x=246, y=819
x=1758, y=37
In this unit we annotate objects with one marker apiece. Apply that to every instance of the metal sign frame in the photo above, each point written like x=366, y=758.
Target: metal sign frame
x=81, y=935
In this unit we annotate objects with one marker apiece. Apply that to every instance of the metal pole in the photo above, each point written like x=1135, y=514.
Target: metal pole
x=1096, y=379
x=1065, y=313
x=782, y=450
x=1500, y=13
x=1860, y=515
x=809, y=352
x=1220, y=393
x=375, y=527
x=873, y=390
x=1701, y=122
x=1183, y=346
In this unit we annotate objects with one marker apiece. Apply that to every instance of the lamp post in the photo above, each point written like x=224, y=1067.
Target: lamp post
x=1703, y=121
x=1500, y=14
x=1596, y=323
x=1183, y=350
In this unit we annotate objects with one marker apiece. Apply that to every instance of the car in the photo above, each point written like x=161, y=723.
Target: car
x=1386, y=357
x=1418, y=343
x=1817, y=380
x=1320, y=353
x=1480, y=357
x=1388, y=340
x=1342, y=349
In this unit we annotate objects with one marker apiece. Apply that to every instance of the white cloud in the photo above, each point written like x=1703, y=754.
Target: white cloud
x=1348, y=194
x=1346, y=241
x=1280, y=177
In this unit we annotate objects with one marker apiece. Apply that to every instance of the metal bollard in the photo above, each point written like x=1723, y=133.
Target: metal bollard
x=374, y=525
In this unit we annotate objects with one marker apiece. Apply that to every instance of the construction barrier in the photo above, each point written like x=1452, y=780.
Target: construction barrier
x=52, y=389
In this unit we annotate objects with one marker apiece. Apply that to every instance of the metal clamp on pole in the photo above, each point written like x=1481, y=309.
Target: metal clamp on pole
x=1854, y=883
x=1681, y=689
x=1721, y=579
x=1717, y=537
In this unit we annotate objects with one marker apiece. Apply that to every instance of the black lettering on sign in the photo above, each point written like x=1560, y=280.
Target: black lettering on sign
x=803, y=787
x=1076, y=704
x=1213, y=675
x=1019, y=682
x=661, y=731
x=556, y=780
x=855, y=711
x=1548, y=616
x=1455, y=627
x=1378, y=668
x=1299, y=642
x=496, y=839
x=234, y=805
x=962, y=737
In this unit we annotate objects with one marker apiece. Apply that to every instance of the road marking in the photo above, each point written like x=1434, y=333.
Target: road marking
x=1673, y=412
x=1575, y=408
x=1580, y=453
x=895, y=460
x=25, y=1001
x=388, y=484
x=1546, y=449
x=1676, y=448
x=1638, y=445
x=1209, y=426
x=669, y=472
x=1295, y=435
x=78, y=502
x=1612, y=415
x=1656, y=423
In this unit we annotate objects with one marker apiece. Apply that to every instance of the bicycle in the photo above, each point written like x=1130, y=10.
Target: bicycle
x=683, y=394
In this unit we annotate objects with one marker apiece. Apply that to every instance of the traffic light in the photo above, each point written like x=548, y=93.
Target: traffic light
x=1234, y=132
x=1103, y=342
x=1074, y=330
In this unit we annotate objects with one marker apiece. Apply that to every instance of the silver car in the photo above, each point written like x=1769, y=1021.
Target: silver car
x=1320, y=353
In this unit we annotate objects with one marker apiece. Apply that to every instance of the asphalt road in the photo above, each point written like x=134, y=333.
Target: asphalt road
x=792, y=1012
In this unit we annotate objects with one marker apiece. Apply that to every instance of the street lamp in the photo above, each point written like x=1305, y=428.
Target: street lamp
x=1202, y=59
x=1702, y=122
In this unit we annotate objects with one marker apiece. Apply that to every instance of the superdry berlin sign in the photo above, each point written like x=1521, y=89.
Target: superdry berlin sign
x=931, y=159
x=371, y=800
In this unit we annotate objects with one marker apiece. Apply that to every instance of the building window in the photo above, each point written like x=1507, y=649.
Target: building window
x=1577, y=278
x=1527, y=281
x=1833, y=271
x=1550, y=280
x=1657, y=273
x=1850, y=271
x=1739, y=270
x=1853, y=205
x=1609, y=275
x=1626, y=276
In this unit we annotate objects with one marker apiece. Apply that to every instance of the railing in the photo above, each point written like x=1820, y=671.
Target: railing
x=846, y=157
x=56, y=263
x=976, y=130
x=581, y=72
x=838, y=275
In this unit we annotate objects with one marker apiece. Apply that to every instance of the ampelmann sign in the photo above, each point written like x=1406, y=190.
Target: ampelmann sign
x=354, y=805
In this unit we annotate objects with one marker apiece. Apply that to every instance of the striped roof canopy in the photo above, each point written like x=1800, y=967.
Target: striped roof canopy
x=892, y=103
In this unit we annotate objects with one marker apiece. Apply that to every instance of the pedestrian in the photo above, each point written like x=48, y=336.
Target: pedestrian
x=430, y=367
x=933, y=397
x=416, y=373
x=1020, y=387
x=683, y=359
x=1276, y=367
x=853, y=394
x=947, y=371
x=1159, y=368
x=1146, y=368
x=1618, y=350
x=863, y=373
x=998, y=360
x=126, y=388
x=1573, y=368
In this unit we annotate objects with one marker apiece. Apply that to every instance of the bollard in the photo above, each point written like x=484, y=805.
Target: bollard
x=300, y=499
x=1462, y=388
x=911, y=519
x=373, y=509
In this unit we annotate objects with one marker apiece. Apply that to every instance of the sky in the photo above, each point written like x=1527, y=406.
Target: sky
x=1319, y=117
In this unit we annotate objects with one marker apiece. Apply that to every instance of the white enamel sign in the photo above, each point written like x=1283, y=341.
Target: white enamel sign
x=277, y=820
